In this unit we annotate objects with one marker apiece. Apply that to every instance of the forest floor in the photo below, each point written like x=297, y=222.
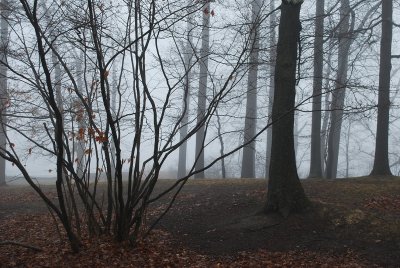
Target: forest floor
x=216, y=223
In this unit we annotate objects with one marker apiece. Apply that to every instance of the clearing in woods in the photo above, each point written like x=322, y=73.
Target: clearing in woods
x=216, y=223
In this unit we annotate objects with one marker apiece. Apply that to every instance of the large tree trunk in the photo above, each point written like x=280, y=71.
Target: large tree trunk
x=338, y=94
x=315, y=164
x=202, y=94
x=186, y=97
x=249, y=150
x=5, y=11
x=381, y=161
x=272, y=60
x=285, y=193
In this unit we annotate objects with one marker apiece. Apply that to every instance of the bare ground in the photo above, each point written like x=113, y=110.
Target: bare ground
x=220, y=219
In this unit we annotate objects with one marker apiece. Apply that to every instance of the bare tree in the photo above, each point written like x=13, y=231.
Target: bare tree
x=346, y=35
x=315, y=163
x=325, y=119
x=338, y=95
x=221, y=142
x=80, y=117
x=285, y=193
x=272, y=60
x=202, y=93
x=186, y=95
x=249, y=150
x=125, y=145
x=381, y=159
x=5, y=12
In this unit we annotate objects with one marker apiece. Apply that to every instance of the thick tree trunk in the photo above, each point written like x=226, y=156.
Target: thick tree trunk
x=186, y=97
x=5, y=11
x=381, y=161
x=272, y=60
x=315, y=164
x=285, y=193
x=202, y=94
x=249, y=150
x=338, y=94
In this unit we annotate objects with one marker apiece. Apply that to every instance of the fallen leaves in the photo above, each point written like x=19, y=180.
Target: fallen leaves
x=162, y=249
x=384, y=203
x=157, y=250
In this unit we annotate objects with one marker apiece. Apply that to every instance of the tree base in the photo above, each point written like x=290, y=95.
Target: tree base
x=286, y=204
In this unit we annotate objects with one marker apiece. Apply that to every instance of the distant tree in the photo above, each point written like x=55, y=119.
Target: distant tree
x=188, y=55
x=338, y=95
x=4, y=100
x=325, y=119
x=285, y=192
x=315, y=163
x=81, y=118
x=249, y=150
x=346, y=35
x=125, y=143
x=202, y=93
x=381, y=159
x=221, y=142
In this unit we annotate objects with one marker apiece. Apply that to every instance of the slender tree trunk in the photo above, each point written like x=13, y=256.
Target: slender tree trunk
x=325, y=120
x=285, y=193
x=316, y=165
x=59, y=98
x=80, y=150
x=202, y=94
x=348, y=149
x=59, y=140
x=5, y=11
x=338, y=94
x=114, y=90
x=186, y=97
x=381, y=160
x=221, y=141
x=249, y=151
x=272, y=60
x=296, y=132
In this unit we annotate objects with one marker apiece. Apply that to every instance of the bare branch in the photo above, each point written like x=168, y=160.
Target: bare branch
x=15, y=243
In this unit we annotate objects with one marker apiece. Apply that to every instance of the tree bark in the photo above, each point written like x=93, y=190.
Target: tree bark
x=249, y=150
x=381, y=160
x=315, y=164
x=285, y=192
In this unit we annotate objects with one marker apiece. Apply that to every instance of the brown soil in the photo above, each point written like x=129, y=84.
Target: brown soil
x=221, y=218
